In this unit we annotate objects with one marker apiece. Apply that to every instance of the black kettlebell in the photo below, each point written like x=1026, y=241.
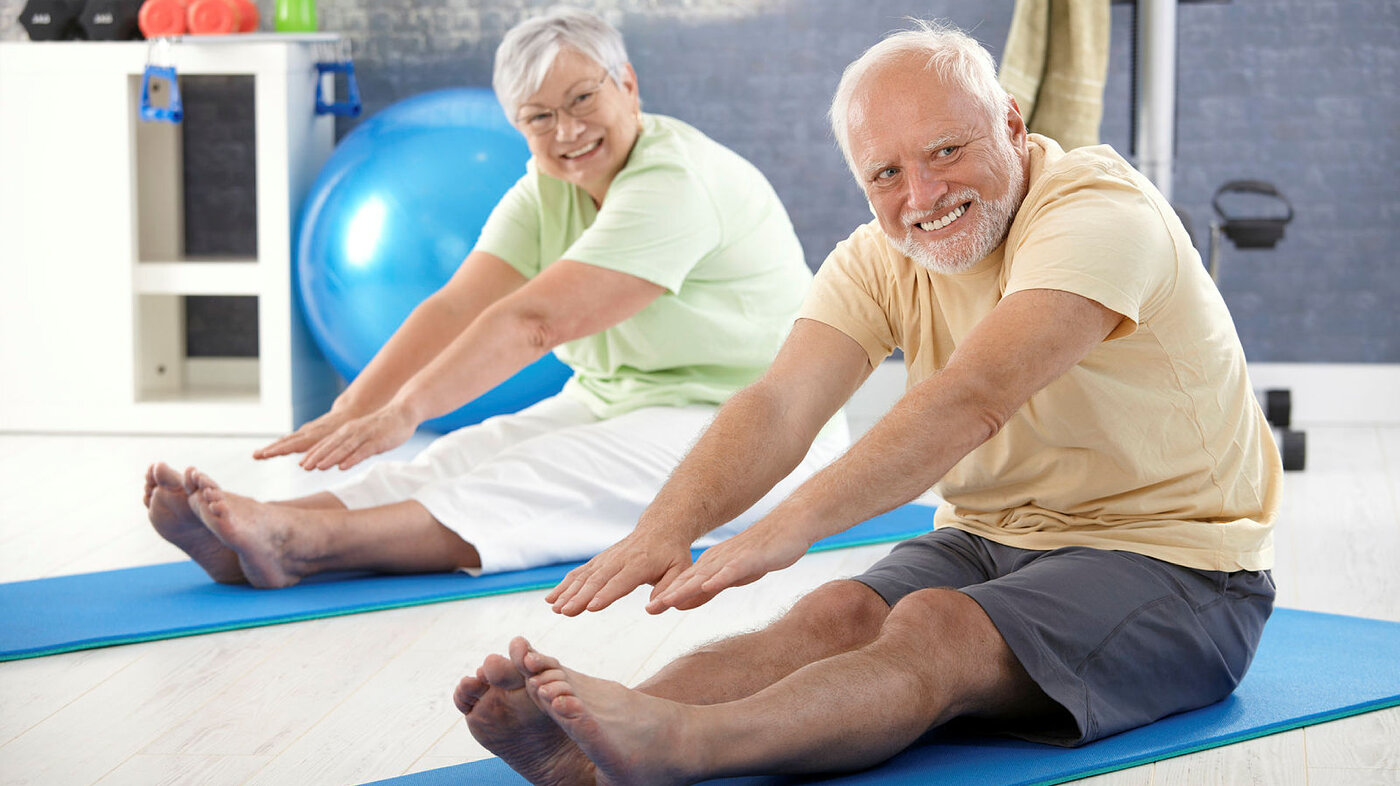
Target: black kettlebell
x=110, y=20
x=1252, y=231
x=51, y=20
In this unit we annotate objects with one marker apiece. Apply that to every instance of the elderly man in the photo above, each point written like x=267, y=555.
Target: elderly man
x=1078, y=396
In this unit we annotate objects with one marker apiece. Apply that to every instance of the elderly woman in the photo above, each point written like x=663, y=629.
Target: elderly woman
x=656, y=263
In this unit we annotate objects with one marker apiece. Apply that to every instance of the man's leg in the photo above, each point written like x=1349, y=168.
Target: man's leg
x=836, y=617
x=936, y=657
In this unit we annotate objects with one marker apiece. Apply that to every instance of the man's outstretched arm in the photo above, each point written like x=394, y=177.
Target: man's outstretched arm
x=759, y=436
x=1029, y=340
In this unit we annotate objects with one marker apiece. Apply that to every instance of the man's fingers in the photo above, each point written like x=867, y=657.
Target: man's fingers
x=695, y=601
x=570, y=601
x=730, y=575
x=583, y=599
x=686, y=585
x=569, y=587
x=715, y=572
x=667, y=579
x=618, y=586
x=578, y=584
x=569, y=581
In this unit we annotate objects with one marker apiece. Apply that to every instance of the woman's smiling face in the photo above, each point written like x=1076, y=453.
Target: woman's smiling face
x=590, y=149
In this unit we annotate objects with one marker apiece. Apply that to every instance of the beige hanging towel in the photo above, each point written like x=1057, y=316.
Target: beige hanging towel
x=1055, y=65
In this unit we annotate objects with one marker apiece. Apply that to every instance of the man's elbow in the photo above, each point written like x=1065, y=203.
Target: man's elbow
x=986, y=407
x=988, y=419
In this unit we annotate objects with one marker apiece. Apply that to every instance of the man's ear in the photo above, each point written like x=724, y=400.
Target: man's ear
x=1015, y=124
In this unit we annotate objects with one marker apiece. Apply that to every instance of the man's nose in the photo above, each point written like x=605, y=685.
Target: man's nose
x=926, y=188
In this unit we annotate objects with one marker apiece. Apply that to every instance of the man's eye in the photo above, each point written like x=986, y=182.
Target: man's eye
x=886, y=173
x=944, y=152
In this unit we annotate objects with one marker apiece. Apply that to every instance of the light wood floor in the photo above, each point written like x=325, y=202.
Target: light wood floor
x=353, y=699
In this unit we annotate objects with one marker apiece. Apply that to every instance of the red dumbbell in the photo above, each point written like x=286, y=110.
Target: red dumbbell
x=221, y=17
x=159, y=18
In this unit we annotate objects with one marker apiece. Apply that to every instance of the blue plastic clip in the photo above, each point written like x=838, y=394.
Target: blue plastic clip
x=174, y=110
x=350, y=107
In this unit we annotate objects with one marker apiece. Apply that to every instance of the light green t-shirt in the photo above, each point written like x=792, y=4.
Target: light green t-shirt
x=692, y=216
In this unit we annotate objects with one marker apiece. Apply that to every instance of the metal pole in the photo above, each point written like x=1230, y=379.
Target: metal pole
x=1156, y=91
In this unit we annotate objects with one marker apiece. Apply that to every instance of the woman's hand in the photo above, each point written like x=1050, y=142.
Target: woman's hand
x=359, y=438
x=310, y=433
x=740, y=560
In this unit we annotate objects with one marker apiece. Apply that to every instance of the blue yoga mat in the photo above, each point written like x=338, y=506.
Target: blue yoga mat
x=66, y=613
x=1310, y=668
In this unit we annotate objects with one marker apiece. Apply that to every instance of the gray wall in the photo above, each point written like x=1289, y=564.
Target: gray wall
x=1303, y=93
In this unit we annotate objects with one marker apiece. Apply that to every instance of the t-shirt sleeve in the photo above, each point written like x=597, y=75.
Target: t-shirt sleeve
x=656, y=223
x=512, y=231
x=850, y=293
x=1099, y=237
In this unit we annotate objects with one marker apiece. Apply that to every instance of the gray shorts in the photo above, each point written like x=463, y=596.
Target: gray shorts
x=1117, y=639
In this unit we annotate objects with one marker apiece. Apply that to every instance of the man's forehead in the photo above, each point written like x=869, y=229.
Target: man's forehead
x=929, y=123
x=905, y=91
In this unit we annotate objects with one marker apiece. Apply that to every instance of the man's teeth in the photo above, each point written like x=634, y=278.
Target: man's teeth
x=929, y=226
x=585, y=150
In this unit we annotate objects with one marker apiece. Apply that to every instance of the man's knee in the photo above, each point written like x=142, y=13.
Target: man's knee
x=955, y=658
x=846, y=613
x=940, y=620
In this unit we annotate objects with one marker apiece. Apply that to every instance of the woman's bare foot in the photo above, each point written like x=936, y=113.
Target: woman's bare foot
x=167, y=501
x=504, y=718
x=256, y=532
x=630, y=737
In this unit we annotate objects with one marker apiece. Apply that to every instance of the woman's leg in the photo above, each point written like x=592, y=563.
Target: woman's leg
x=280, y=542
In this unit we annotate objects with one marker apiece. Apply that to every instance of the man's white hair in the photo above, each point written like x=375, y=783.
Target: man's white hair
x=954, y=57
x=528, y=50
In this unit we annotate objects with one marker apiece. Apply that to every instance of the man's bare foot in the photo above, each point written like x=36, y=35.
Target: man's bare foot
x=630, y=737
x=167, y=501
x=504, y=718
x=256, y=532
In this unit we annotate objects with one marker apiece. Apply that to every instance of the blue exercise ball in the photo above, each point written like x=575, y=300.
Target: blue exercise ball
x=391, y=216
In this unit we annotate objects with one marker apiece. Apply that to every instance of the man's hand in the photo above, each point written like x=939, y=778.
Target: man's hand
x=740, y=560
x=628, y=564
x=360, y=438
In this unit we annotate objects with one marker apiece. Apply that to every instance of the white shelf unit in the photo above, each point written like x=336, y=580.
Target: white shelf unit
x=93, y=274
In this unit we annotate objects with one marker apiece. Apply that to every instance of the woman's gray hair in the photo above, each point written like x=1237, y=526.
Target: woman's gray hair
x=953, y=56
x=528, y=50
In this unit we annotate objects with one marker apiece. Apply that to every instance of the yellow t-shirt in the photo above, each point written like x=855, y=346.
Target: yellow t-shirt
x=1154, y=442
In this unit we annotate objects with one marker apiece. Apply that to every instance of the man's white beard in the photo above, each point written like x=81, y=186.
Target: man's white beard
x=972, y=245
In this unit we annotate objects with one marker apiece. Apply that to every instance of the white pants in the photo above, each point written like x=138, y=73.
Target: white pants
x=554, y=483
